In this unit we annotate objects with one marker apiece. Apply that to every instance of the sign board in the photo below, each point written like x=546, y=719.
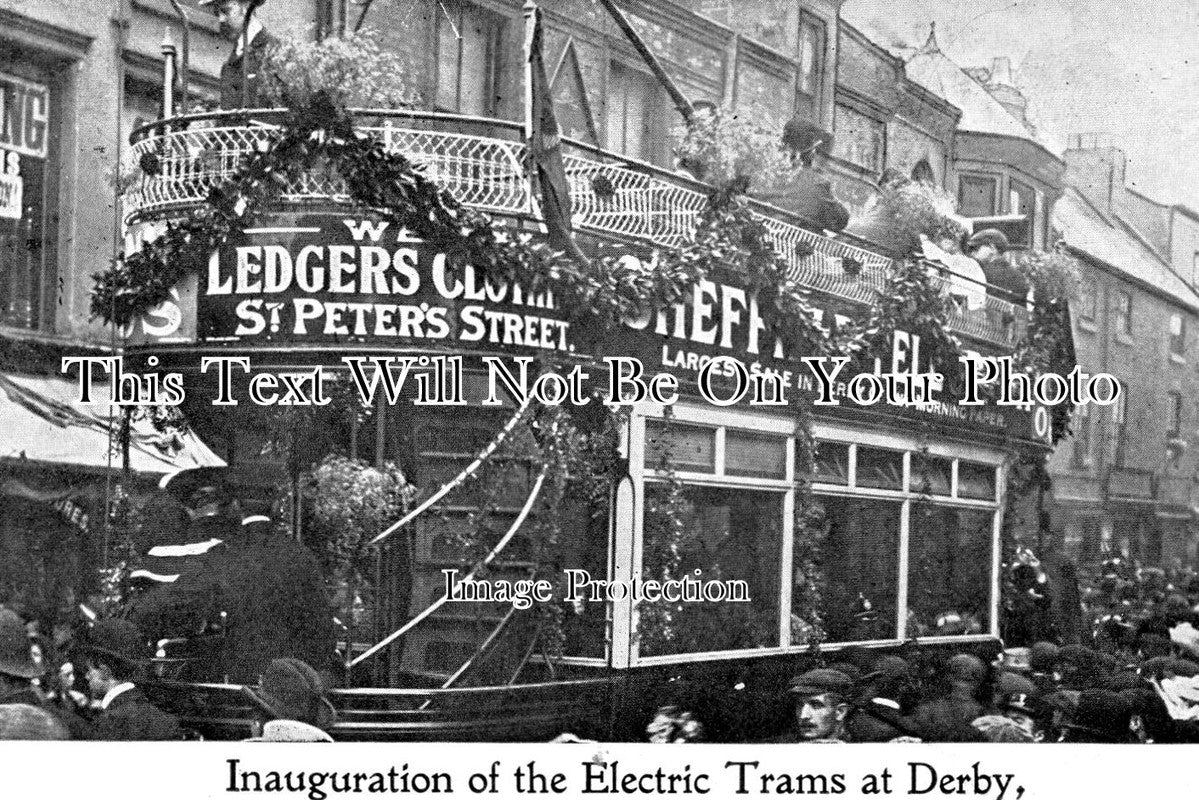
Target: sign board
x=335, y=279
x=12, y=196
x=24, y=116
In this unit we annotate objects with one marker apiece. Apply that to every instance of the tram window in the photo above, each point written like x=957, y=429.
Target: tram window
x=949, y=578
x=831, y=463
x=976, y=481
x=880, y=469
x=931, y=475
x=755, y=456
x=729, y=534
x=583, y=544
x=861, y=550
x=690, y=448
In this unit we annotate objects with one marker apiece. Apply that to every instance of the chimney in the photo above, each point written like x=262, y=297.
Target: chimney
x=1096, y=167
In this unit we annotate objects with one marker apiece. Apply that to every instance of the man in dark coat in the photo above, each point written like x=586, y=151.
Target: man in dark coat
x=18, y=670
x=947, y=717
x=265, y=590
x=114, y=655
x=810, y=193
x=238, y=71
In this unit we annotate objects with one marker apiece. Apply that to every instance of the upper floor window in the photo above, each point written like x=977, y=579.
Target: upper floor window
x=28, y=156
x=923, y=173
x=861, y=140
x=1174, y=409
x=468, y=59
x=811, y=57
x=634, y=113
x=1195, y=267
x=1123, y=313
x=976, y=195
x=1119, y=418
x=1087, y=294
x=1178, y=334
x=1082, y=435
x=1022, y=200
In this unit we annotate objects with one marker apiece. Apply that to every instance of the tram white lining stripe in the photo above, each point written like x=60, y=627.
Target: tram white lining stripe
x=412, y=623
x=462, y=476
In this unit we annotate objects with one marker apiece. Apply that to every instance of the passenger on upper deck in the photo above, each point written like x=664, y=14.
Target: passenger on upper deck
x=237, y=16
x=810, y=194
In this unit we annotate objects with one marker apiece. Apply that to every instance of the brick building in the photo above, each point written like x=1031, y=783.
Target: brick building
x=1127, y=480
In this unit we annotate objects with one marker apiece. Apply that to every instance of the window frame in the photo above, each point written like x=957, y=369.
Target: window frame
x=686, y=412
x=653, y=142
x=1082, y=436
x=1122, y=314
x=1174, y=407
x=493, y=57
x=840, y=139
x=1088, y=298
x=1178, y=341
x=995, y=180
x=811, y=22
x=1119, y=427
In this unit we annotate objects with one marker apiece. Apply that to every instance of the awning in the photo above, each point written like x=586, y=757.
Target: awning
x=43, y=422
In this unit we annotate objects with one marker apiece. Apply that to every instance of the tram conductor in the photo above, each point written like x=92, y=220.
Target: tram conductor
x=262, y=592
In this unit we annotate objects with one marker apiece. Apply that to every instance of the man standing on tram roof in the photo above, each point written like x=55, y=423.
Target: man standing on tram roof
x=237, y=17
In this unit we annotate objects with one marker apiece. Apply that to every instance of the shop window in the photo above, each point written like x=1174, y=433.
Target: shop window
x=468, y=59
x=1087, y=295
x=976, y=195
x=690, y=448
x=726, y=534
x=1178, y=335
x=1123, y=321
x=831, y=463
x=861, y=140
x=1022, y=199
x=811, y=58
x=931, y=475
x=949, y=574
x=634, y=113
x=753, y=455
x=860, y=556
x=879, y=469
x=28, y=153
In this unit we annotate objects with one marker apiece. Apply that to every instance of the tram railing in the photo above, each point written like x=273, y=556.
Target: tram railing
x=482, y=163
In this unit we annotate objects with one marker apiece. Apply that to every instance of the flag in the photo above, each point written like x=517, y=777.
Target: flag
x=545, y=147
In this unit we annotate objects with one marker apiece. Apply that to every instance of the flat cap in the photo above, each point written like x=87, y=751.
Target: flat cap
x=820, y=681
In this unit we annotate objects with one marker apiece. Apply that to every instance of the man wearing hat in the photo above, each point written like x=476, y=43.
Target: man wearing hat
x=114, y=655
x=241, y=76
x=821, y=704
x=810, y=193
x=18, y=671
x=265, y=588
x=989, y=248
x=292, y=703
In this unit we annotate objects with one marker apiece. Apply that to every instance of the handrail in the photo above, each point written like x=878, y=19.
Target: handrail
x=412, y=623
x=455, y=482
x=486, y=170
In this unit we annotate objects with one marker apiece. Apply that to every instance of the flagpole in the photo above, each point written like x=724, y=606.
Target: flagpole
x=530, y=14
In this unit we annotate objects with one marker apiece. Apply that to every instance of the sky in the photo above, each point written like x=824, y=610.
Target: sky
x=1129, y=70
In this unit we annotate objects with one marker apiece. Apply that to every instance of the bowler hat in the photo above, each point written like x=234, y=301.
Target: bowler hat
x=119, y=639
x=821, y=681
x=1042, y=656
x=291, y=689
x=990, y=236
x=1009, y=682
x=16, y=657
x=965, y=667
x=804, y=136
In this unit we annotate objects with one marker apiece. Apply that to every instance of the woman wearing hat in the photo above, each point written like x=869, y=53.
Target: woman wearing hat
x=292, y=703
x=114, y=656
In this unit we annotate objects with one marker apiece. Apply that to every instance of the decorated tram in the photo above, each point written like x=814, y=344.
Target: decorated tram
x=374, y=290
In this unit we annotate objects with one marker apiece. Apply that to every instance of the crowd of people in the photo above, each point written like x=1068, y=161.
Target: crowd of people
x=1134, y=678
